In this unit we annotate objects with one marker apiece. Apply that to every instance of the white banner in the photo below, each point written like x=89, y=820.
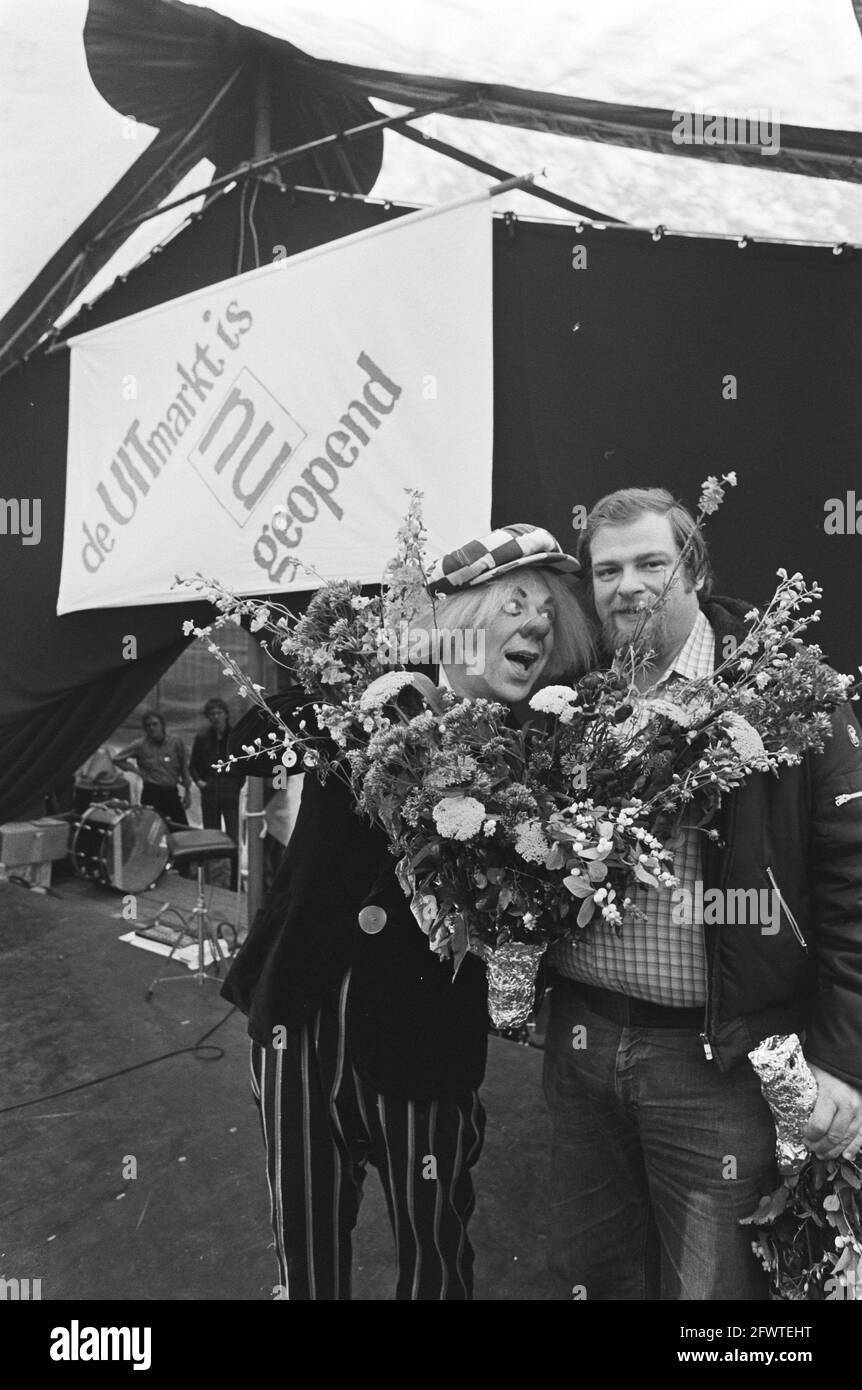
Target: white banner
x=274, y=420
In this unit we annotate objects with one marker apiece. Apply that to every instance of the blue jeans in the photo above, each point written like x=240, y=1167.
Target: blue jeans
x=655, y=1156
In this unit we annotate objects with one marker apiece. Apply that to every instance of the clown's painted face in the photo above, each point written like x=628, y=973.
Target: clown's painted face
x=518, y=638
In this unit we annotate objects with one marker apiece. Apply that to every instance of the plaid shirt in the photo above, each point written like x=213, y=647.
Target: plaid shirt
x=656, y=959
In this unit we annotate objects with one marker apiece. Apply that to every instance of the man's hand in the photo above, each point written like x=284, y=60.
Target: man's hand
x=186, y=797
x=835, y=1126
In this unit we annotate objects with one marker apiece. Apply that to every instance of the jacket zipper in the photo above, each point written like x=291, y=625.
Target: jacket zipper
x=788, y=914
x=704, y=1036
x=729, y=828
x=845, y=797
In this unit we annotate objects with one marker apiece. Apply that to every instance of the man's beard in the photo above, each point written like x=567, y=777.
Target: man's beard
x=647, y=636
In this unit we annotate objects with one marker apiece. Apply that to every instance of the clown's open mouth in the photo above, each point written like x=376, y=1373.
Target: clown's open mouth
x=523, y=660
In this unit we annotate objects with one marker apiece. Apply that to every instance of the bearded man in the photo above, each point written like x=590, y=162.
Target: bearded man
x=661, y=1137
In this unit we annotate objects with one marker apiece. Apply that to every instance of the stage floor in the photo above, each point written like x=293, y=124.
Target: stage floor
x=194, y=1222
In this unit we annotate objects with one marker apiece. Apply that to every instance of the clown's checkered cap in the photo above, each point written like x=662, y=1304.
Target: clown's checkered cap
x=507, y=548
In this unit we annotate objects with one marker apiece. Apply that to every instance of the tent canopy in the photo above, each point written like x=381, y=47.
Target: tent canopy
x=157, y=92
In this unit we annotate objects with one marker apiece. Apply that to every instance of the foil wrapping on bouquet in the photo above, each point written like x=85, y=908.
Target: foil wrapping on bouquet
x=512, y=971
x=789, y=1087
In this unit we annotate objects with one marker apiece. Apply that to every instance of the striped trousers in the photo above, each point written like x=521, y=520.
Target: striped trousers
x=322, y=1125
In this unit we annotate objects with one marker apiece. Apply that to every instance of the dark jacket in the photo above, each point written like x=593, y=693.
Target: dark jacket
x=413, y=1030
x=786, y=832
x=209, y=749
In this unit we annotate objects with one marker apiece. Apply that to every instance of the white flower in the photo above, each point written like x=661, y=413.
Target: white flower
x=712, y=493
x=555, y=699
x=260, y=619
x=459, y=817
x=745, y=738
x=530, y=842
x=384, y=689
x=671, y=710
x=490, y=826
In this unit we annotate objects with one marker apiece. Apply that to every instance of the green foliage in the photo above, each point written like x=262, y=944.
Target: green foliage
x=809, y=1233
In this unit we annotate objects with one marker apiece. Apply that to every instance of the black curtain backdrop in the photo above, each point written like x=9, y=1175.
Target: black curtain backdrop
x=607, y=375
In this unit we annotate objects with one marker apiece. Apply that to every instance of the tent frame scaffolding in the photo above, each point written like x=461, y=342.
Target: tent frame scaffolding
x=269, y=162
x=273, y=162
x=481, y=166
x=75, y=270
x=269, y=166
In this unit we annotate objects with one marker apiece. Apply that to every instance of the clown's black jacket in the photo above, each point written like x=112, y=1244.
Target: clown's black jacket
x=414, y=1031
x=791, y=834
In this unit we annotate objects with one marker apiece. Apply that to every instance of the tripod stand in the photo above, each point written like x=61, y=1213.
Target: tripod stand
x=196, y=847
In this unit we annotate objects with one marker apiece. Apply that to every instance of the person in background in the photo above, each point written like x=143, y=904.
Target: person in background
x=219, y=790
x=163, y=764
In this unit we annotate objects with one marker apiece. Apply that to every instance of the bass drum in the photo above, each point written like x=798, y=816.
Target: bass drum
x=125, y=847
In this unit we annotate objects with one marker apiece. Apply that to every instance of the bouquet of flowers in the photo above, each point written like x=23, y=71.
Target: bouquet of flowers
x=509, y=838
x=497, y=851
x=334, y=650
x=809, y=1230
x=809, y=1237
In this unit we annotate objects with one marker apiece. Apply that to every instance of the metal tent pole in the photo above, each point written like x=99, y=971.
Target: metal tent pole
x=483, y=167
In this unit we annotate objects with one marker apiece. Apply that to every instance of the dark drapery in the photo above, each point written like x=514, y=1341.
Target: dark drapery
x=610, y=374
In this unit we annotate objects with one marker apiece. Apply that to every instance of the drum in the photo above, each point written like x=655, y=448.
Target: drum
x=125, y=847
x=87, y=792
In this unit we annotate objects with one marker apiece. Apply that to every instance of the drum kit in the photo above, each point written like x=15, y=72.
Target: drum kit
x=121, y=846
x=128, y=848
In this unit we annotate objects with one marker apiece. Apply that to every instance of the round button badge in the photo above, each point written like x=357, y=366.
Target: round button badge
x=372, y=920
